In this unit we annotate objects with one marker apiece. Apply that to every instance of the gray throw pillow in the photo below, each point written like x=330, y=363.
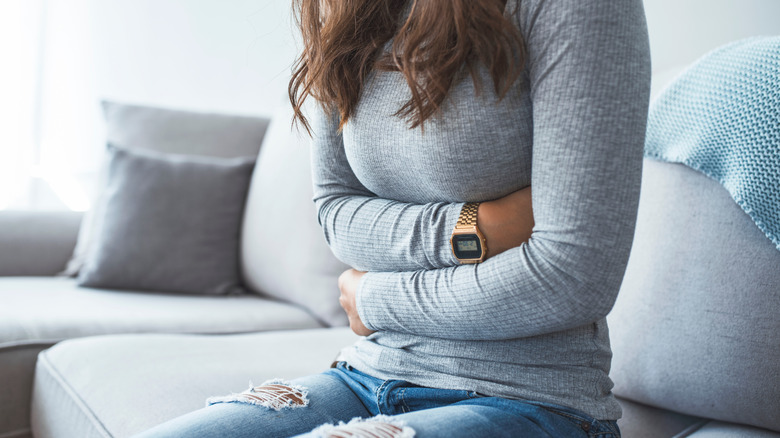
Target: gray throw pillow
x=172, y=131
x=171, y=223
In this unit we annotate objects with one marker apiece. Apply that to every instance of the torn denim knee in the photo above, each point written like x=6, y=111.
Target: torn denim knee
x=381, y=426
x=275, y=394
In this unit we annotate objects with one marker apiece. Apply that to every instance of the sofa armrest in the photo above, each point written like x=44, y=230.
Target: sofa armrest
x=34, y=243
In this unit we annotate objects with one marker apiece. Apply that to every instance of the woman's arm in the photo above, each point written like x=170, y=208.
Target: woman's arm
x=506, y=223
x=590, y=76
x=367, y=232
x=374, y=234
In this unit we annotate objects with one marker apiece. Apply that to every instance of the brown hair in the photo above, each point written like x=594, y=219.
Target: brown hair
x=344, y=40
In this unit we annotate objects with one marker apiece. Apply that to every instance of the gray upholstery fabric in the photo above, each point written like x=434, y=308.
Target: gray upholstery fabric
x=171, y=223
x=115, y=386
x=695, y=327
x=183, y=132
x=642, y=421
x=54, y=308
x=716, y=429
x=36, y=242
x=173, y=131
x=283, y=250
x=17, y=362
x=36, y=312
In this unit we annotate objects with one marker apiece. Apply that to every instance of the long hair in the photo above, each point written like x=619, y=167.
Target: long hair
x=344, y=40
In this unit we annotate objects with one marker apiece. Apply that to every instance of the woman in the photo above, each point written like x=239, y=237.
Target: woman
x=431, y=114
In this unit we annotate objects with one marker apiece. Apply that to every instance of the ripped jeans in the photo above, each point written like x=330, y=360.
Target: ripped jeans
x=343, y=402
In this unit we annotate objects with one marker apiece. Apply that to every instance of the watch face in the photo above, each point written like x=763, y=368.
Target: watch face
x=467, y=246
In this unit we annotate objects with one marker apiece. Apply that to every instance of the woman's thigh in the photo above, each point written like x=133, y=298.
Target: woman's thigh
x=271, y=410
x=488, y=416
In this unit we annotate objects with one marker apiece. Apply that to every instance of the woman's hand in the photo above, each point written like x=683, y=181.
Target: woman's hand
x=506, y=222
x=348, y=284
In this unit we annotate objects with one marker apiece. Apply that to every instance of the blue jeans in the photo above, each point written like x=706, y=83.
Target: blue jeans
x=322, y=405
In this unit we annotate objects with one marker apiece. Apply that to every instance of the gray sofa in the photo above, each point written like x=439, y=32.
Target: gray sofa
x=292, y=288
x=696, y=351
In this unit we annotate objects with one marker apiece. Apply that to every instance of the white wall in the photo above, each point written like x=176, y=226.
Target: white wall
x=211, y=54
x=19, y=41
x=235, y=56
x=683, y=30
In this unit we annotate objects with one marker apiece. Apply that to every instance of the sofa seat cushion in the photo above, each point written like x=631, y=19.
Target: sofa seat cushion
x=36, y=312
x=38, y=309
x=119, y=385
x=718, y=429
x=642, y=421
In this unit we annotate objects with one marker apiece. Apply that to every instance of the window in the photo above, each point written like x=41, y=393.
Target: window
x=47, y=111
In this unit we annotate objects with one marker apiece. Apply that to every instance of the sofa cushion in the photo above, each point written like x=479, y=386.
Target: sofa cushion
x=283, y=250
x=183, y=132
x=642, y=421
x=116, y=386
x=170, y=131
x=717, y=429
x=171, y=223
x=36, y=312
x=695, y=325
x=55, y=308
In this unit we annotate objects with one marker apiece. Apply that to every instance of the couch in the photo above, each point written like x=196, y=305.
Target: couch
x=694, y=330
x=41, y=303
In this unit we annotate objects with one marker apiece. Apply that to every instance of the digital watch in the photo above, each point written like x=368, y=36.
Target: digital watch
x=468, y=243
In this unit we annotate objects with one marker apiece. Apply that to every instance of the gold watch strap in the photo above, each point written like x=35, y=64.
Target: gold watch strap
x=468, y=215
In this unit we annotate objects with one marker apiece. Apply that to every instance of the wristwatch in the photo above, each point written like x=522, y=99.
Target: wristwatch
x=468, y=243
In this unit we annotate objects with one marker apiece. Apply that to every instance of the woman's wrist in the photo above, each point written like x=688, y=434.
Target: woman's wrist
x=506, y=222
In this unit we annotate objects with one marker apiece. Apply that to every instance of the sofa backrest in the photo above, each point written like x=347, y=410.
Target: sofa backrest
x=183, y=132
x=283, y=250
x=36, y=243
x=695, y=327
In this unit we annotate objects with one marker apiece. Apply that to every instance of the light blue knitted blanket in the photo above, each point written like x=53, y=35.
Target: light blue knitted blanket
x=721, y=117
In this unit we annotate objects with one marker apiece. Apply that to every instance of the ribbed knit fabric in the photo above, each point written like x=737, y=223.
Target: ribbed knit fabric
x=528, y=323
x=722, y=118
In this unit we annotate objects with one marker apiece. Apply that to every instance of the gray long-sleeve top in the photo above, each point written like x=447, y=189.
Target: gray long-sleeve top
x=528, y=323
